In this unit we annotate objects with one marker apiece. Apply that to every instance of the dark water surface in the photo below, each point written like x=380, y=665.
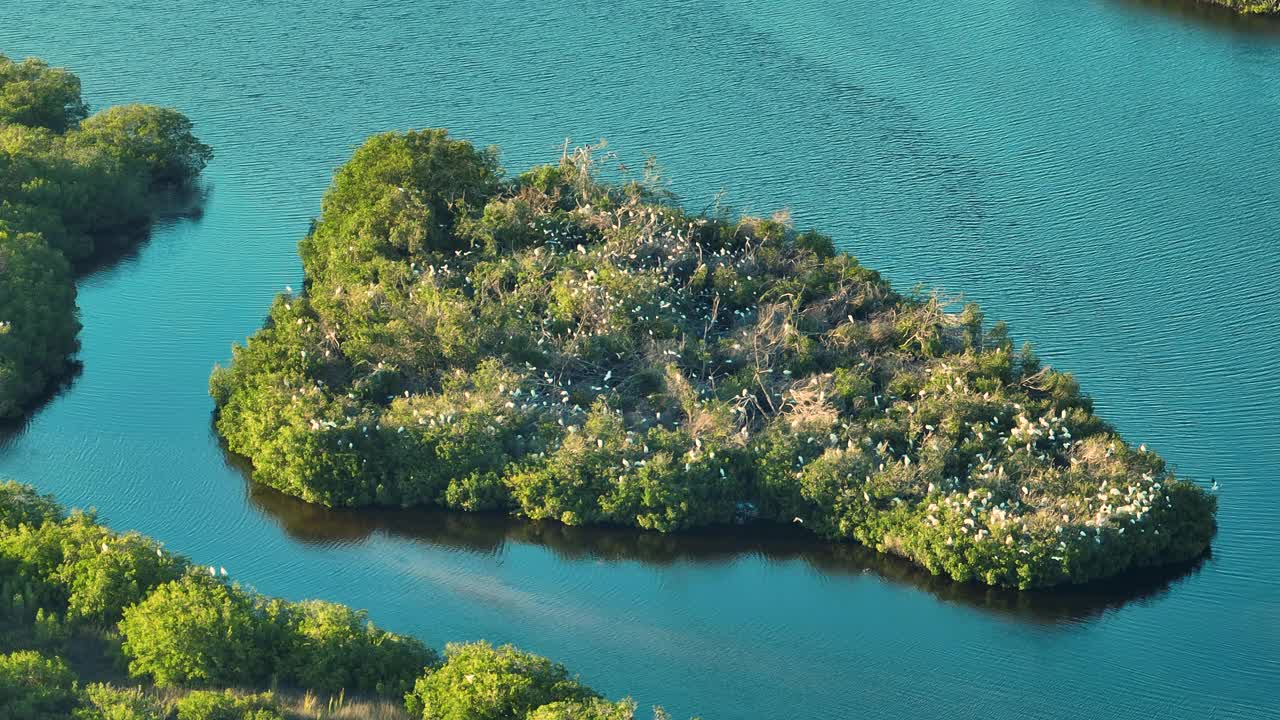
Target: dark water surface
x=1101, y=173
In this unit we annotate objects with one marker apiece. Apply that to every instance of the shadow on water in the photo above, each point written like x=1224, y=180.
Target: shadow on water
x=489, y=533
x=169, y=205
x=1210, y=14
x=11, y=429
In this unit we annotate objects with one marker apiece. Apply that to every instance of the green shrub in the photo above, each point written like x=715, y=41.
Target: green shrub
x=106, y=702
x=157, y=141
x=338, y=649
x=29, y=561
x=22, y=505
x=84, y=569
x=106, y=572
x=34, y=94
x=75, y=196
x=480, y=682
x=594, y=709
x=35, y=687
x=227, y=705
x=202, y=631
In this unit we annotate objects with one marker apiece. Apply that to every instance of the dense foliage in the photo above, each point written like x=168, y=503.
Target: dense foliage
x=480, y=682
x=226, y=705
x=560, y=347
x=594, y=709
x=107, y=702
x=1251, y=7
x=38, y=324
x=201, y=631
x=213, y=645
x=36, y=687
x=69, y=182
x=36, y=95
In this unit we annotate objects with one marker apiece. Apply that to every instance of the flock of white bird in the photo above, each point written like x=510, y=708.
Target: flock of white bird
x=633, y=282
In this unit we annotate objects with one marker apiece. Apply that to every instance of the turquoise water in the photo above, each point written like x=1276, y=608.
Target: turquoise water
x=1102, y=174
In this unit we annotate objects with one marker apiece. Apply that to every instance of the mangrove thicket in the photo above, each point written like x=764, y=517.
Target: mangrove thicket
x=102, y=625
x=72, y=185
x=557, y=346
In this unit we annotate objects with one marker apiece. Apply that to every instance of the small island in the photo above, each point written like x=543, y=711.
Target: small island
x=562, y=347
x=73, y=186
x=101, y=625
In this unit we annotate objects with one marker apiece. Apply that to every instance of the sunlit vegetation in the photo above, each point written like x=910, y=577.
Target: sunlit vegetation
x=560, y=347
x=101, y=625
x=483, y=682
x=1251, y=7
x=71, y=185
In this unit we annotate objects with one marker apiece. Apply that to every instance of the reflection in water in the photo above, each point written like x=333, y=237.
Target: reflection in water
x=168, y=206
x=11, y=429
x=489, y=534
